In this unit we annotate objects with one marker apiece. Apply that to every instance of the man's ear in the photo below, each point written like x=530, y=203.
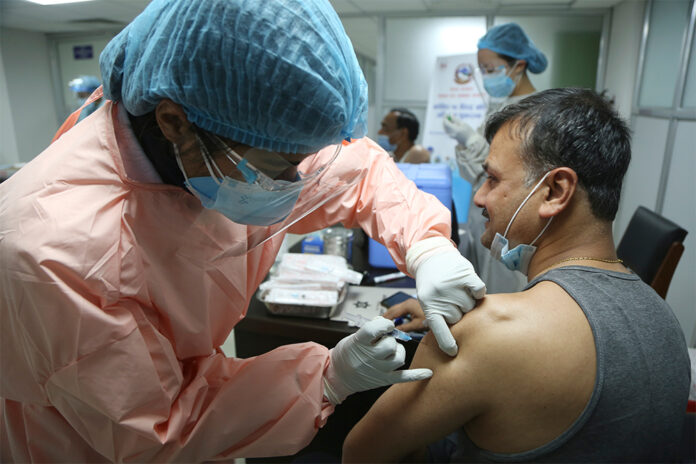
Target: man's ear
x=561, y=183
x=404, y=132
x=173, y=122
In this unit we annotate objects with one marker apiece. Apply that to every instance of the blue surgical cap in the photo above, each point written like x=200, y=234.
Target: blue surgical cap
x=84, y=84
x=274, y=74
x=509, y=39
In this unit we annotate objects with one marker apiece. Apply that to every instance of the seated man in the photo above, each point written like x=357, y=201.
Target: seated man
x=397, y=135
x=587, y=363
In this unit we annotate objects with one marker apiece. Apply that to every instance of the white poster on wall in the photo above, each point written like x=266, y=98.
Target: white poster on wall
x=453, y=91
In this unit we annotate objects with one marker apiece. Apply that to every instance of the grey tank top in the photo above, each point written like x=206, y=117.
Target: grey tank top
x=637, y=407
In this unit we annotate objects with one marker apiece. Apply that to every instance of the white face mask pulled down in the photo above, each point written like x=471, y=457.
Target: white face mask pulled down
x=518, y=258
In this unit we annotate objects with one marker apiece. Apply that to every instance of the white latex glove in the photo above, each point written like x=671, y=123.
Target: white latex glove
x=367, y=359
x=457, y=129
x=447, y=286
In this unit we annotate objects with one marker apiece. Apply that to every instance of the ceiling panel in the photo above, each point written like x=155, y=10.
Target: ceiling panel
x=86, y=16
x=75, y=17
x=595, y=3
x=368, y=6
x=459, y=5
x=536, y=3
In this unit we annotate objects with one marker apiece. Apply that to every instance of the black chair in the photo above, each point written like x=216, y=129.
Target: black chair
x=687, y=451
x=651, y=247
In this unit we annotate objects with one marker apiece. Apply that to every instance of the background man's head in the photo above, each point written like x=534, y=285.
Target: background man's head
x=574, y=128
x=400, y=125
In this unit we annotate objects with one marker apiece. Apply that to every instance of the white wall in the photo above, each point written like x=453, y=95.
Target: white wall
x=26, y=71
x=651, y=139
x=620, y=81
x=8, y=147
x=363, y=35
x=680, y=207
x=546, y=32
x=624, y=48
x=413, y=44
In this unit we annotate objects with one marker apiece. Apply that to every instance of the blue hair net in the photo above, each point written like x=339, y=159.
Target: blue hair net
x=274, y=74
x=509, y=39
x=84, y=84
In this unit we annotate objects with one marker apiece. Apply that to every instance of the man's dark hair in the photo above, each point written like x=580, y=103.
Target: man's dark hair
x=404, y=118
x=575, y=128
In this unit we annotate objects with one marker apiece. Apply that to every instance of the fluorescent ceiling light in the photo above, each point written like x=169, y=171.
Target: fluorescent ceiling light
x=56, y=2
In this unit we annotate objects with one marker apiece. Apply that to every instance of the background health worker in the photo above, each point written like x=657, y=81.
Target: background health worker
x=132, y=245
x=505, y=54
x=82, y=87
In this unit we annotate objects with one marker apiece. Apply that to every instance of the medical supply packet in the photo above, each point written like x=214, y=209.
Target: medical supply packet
x=307, y=285
x=320, y=267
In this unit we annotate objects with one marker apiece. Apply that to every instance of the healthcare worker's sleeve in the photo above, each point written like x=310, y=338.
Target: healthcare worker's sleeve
x=131, y=402
x=114, y=377
x=385, y=204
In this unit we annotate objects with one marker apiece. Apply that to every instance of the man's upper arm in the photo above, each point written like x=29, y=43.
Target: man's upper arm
x=409, y=416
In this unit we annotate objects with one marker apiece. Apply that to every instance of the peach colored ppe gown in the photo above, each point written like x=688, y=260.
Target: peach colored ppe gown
x=113, y=309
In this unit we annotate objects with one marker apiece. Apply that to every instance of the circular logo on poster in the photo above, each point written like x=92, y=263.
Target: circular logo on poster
x=463, y=73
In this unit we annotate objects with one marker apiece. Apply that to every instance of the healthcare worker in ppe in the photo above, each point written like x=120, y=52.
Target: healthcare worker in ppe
x=131, y=247
x=83, y=86
x=505, y=54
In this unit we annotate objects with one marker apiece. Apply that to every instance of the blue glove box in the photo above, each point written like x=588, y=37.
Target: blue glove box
x=432, y=178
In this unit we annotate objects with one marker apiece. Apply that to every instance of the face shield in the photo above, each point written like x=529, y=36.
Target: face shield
x=264, y=190
x=497, y=82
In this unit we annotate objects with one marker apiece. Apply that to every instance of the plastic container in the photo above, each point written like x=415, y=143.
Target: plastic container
x=338, y=241
x=432, y=178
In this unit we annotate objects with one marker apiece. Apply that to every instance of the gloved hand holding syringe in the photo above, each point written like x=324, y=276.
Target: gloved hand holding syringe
x=400, y=335
x=368, y=359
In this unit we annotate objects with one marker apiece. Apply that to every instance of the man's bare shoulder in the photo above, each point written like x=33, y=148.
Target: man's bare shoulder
x=505, y=317
x=521, y=318
x=519, y=339
x=418, y=154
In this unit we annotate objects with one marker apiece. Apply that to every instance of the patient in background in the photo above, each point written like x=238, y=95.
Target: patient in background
x=587, y=363
x=397, y=135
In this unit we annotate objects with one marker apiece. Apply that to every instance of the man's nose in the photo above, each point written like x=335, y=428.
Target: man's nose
x=479, y=197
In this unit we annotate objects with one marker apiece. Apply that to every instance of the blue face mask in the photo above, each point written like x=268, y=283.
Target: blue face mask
x=246, y=203
x=243, y=201
x=499, y=84
x=518, y=258
x=383, y=141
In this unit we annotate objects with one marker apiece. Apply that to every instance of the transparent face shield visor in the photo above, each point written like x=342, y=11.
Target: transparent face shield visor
x=254, y=183
x=482, y=73
x=477, y=77
x=268, y=169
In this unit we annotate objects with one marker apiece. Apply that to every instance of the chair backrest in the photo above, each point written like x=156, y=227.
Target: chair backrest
x=651, y=247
